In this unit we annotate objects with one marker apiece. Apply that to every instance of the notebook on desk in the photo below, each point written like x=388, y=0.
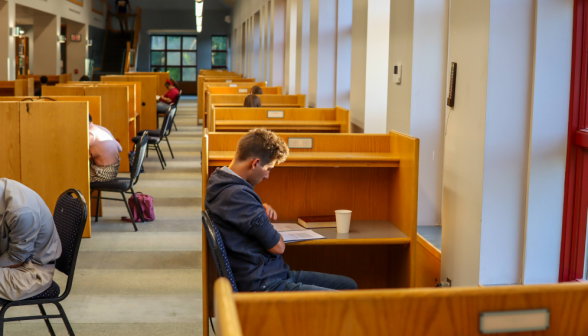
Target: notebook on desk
x=292, y=232
x=315, y=222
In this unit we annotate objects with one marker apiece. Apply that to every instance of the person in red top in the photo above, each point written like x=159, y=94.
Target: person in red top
x=171, y=96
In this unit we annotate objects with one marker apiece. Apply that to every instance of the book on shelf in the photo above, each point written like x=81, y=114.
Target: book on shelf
x=318, y=222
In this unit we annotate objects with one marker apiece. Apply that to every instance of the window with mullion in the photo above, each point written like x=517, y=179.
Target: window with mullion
x=219, y=51
x=176, y=54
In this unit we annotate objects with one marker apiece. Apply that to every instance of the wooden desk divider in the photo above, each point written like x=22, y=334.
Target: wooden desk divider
x=115, y=112
x=19, y=87
x=237, y=100
x=216, y=79
x=51, y=79
x=215, y=89
x=374, y=175
x=47, y=164
x=147, y=103
x=211, y=72
x=428, y=264
x=94, y=103
x=162, y=77
x=293, y=120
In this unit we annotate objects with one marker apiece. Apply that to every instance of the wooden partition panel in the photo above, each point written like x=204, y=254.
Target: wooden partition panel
x=115, y=117
x=407, y=312
x=10, y=140
x=63, y=90
x=94, y=105
x=19, y=87
x=241, y=90
x=54, y=149
x=316, y=120
x=162, y=77
x=428, y=264
x=147, y=103
x=217, y=79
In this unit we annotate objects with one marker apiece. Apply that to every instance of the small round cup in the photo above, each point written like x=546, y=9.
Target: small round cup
x=343, y=220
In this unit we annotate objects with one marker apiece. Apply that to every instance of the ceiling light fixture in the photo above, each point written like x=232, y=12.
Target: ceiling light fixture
x=199, y=7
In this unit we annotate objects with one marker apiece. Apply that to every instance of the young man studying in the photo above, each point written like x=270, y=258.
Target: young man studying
x=253, y=246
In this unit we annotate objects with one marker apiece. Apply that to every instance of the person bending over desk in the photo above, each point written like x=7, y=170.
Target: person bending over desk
x=252, y=101
x=104, y=149
x=171, y=96
x=29, y=244
x=253, y=246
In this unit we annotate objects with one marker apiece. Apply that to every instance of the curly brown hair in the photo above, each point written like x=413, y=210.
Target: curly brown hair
x=263, y=144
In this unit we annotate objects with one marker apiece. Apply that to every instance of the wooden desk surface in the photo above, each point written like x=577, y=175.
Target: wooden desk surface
x=360, y=233
x=319, y=159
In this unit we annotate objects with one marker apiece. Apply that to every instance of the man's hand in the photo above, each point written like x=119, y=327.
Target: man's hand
x=270, y=212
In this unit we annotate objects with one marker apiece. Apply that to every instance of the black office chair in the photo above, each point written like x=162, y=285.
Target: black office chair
x=217, y=249
x=157, y=133
x=123, y=185
x=70, y=219
x=163, y=113
x=154, y=141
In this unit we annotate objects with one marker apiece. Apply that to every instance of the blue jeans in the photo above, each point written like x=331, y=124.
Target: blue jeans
x=307, y=281
x=162, y=107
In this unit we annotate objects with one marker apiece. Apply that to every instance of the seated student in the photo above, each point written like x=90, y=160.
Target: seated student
x=104, y=149
x=171, y=96
x=44, y=81
x=84, y=78
x=29, y=244
x=252, y=101
x=253, y=246
x=256, y=90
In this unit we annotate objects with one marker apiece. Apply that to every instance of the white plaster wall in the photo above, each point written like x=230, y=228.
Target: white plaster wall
x=358, y=60
x=548, y=140
x=464, y=143
x=344, y=43
x=46, y=54
x=323, y=53
x=76, y=51
x=508, y=106
x=256, y=40
x=277, y=42
x=302, y=47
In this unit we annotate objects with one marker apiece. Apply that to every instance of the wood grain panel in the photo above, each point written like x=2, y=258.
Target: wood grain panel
x=54, y=149
x=162, y=77
x=148, y=103
x=10, y=140
x=115, y=116
x=63, y=90
x=443, y=312
x=218, y=79
x=94, y=105
x=428, y=265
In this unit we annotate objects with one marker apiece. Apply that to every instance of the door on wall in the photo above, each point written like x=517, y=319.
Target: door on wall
x=177, y=55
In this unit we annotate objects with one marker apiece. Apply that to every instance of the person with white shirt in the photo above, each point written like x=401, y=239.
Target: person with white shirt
x=104, y=149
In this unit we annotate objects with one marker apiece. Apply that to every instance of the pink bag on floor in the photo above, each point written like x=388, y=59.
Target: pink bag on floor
x=146, y=203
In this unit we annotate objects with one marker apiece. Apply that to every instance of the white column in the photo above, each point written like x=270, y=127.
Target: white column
x=290, y=47
x=7, y=51
x=302, y=46
x=262, y=42
x=277, y=42
x=548, y=140
x=46, y=28
x=343, y=76
x=76, y=51
x=322, y=53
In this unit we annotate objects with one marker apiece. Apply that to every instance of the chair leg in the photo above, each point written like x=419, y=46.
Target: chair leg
x=65, y=320
x=168, y=145
x=129, y=210
x=176, y=127
x=98, y=205
x=138, y=206
x=47, y=322
x=160, y=158
x=160, y=152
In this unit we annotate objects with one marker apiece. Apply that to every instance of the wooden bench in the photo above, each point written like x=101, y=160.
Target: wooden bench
x=116, y=115
x=45, y=146
x=306, y=120
x=374, y=175
x=237, y=100
x=19, y=87
x=409, y=312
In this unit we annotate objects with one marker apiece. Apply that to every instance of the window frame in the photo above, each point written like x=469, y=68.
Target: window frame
x=166, y=67
x=226, y=52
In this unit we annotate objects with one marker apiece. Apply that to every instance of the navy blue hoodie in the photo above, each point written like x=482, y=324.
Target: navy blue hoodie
x=246, y=230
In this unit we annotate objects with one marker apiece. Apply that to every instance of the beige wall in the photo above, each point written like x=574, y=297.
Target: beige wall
x=76, y=51
x=46, y=52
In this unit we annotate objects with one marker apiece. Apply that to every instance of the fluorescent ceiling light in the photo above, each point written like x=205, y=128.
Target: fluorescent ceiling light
x=199, y=7
x=199, y=29
x=199, y=20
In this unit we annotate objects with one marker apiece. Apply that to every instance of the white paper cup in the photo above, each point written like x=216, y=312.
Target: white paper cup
x=343, y=220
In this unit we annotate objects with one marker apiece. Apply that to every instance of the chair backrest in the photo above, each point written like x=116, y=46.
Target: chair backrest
x=217, y=249
x=172, y=115
x=166, y=121
x=178, y=99
x=140, y=151
x=70, y=216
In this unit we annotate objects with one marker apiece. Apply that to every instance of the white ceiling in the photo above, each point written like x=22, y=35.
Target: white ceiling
x=180, y=4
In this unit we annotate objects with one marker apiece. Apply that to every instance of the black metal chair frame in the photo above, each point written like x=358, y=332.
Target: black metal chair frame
x=135, y=174
x=56, y=301
x=213, y=244
x=163, y=131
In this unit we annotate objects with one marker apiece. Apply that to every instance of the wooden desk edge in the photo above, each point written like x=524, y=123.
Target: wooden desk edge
x=428, y=246
x=361, y=241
